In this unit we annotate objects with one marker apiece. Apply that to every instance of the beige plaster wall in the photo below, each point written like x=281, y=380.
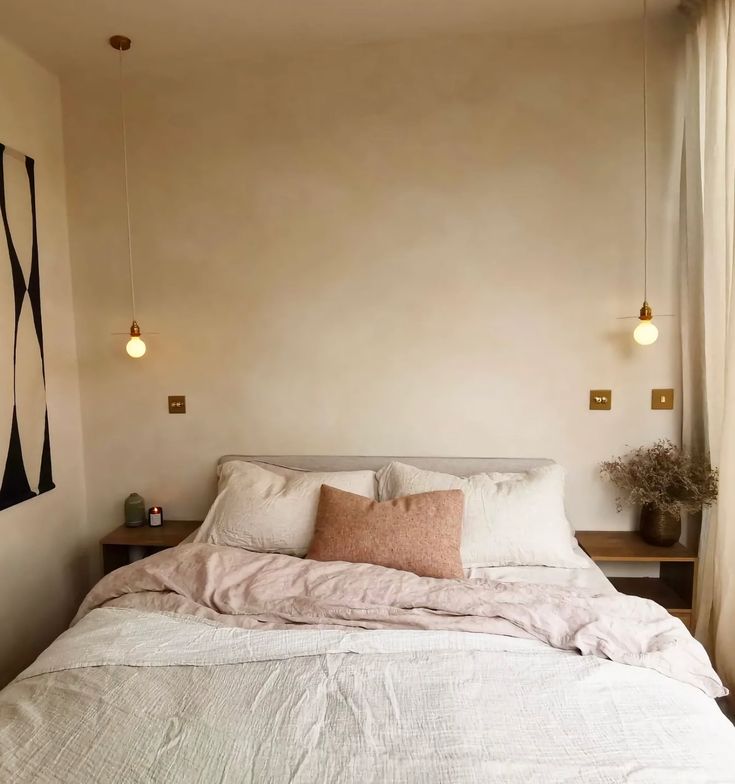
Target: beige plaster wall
x=412, y=248
x=44, y=568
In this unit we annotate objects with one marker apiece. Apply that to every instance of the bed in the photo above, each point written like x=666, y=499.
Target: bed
x=210, y=663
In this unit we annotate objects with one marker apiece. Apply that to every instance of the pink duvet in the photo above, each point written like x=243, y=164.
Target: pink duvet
x=253, y=590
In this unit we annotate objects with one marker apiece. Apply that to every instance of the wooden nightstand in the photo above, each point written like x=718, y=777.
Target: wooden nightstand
x=116, y=545
x=674, y=589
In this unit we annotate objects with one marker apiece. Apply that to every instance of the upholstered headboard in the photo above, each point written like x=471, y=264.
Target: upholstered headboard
x=459, y=466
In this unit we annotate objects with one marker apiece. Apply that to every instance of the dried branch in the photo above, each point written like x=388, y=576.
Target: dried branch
x=665, y=476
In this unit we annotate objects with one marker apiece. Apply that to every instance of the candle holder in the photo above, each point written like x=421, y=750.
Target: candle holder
x=155, y=517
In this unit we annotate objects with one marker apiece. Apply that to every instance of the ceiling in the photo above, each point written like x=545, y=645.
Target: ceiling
x=75, y=38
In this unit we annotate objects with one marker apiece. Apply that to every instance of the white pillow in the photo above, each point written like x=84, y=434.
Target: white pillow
x=509, y=519
x=269, y=512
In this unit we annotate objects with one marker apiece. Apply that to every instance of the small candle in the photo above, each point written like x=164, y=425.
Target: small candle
x=155, y=516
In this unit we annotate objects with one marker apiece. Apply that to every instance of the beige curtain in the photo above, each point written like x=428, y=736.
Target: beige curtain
x=708, y=322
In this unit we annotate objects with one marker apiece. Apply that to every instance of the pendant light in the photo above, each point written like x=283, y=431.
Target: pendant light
x=135, y=346
x=646, y=332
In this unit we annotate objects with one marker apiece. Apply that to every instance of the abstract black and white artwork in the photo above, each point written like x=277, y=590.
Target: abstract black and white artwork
x=25, y=451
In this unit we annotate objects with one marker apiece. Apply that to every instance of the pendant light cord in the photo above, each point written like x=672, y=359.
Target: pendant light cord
x=645, y=150
x=127, y=193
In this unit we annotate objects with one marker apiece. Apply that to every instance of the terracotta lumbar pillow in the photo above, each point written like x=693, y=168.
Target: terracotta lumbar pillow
x=417, y=533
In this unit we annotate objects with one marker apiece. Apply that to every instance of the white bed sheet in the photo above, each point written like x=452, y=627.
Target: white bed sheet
x=591, y=578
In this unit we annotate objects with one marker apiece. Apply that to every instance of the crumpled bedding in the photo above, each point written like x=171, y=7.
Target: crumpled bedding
x=256, y=590
x=211, y=664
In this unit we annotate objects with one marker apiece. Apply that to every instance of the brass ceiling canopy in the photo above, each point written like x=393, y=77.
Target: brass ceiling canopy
x=120, y=42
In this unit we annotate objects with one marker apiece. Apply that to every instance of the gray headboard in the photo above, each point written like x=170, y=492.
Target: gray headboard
x=459, y=466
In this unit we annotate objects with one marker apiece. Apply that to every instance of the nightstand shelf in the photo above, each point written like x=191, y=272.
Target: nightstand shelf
x=116, y=546
x=675, y=587
x=653, y=588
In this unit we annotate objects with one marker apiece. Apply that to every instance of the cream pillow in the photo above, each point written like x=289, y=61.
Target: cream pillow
x=270, y=512
x=509, y=519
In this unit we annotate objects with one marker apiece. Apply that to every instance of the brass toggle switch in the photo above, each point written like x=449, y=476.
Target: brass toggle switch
x=176, y=404
x=600, y=399
x=662, y=399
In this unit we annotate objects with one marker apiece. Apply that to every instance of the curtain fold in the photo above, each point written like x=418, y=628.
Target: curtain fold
x=708, y=326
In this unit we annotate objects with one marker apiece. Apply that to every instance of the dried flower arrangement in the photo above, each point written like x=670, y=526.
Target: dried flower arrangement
x=663, y=476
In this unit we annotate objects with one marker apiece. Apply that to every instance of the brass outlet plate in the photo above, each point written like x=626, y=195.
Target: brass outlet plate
x=600, y=399
x=177, y=404
x=662, y=399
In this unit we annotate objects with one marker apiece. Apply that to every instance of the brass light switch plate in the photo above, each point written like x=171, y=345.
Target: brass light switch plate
x=600, y=399
x=662, y=399
x=176, y=404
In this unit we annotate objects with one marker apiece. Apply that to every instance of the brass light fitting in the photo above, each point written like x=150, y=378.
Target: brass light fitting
x=120, y=42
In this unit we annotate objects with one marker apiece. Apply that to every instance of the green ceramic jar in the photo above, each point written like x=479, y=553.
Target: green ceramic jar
x=134, y=510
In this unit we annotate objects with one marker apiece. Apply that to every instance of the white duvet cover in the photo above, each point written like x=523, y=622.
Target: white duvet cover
x=130, y=696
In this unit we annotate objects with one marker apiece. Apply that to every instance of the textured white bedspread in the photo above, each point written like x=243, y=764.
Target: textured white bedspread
x=132, y=696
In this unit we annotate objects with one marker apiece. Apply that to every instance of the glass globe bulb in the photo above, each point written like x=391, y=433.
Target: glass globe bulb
x=135, y=347
x=645, y=333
